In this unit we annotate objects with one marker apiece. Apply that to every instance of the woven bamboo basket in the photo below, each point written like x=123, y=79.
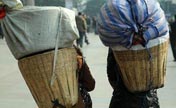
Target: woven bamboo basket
x=37, y=72
x=138, y=72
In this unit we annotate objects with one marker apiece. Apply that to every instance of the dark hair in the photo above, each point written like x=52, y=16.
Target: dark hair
x=79, y=13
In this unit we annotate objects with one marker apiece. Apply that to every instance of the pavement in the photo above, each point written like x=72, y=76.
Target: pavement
x=15, y=94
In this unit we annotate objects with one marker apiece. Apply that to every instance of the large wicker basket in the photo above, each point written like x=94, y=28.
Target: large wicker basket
x=138, y=72
x=37, y=72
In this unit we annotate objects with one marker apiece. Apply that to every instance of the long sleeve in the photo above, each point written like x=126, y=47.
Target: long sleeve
x=112, y=69
x=86, y=78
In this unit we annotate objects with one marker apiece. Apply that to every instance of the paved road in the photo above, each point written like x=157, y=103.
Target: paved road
x=15, y=94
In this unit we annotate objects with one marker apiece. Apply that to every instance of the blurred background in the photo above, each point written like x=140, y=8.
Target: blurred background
x=91, y=7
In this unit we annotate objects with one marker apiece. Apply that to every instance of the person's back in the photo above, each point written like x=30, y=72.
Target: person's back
x=80, y=23
x=81, y=28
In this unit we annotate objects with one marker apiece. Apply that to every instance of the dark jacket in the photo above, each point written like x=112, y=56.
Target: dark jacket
x=80, y=22
x=173, y=38
x=85, y=79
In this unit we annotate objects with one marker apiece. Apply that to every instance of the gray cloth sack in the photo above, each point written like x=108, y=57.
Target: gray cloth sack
x=35, y=29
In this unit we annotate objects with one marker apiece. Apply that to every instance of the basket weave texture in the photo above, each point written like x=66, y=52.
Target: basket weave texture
x=138, y=72
x=37, y=72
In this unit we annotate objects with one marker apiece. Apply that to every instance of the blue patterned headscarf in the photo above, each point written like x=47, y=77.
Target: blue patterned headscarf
x=120, y=19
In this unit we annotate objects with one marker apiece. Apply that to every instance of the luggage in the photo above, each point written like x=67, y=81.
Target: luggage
x=33, y=29
x=119, y=20
x=37, y=72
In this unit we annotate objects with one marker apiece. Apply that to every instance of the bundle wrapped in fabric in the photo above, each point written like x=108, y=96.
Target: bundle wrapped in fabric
x=137, y=31
x=120, y=20
x=35, y=29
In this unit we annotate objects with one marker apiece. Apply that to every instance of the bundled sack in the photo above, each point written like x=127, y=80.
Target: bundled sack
x=32, y=30
x=12, y=4
x=119, y=20
x=142, y=65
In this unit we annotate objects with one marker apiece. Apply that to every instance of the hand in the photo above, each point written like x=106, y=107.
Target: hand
x=80, y=61
x=137, y=39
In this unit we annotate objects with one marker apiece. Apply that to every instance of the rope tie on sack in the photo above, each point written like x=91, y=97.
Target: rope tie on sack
x=139, y=30
x=53, y=77
x=140, y=33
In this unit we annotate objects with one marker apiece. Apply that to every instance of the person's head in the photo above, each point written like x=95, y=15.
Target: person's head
x=79, y=13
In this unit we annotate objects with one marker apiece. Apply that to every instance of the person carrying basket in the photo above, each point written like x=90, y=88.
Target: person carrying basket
x=42, y=40
x=136, y=32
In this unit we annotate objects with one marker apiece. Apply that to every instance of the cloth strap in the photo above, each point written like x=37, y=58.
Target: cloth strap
x=55, y=52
